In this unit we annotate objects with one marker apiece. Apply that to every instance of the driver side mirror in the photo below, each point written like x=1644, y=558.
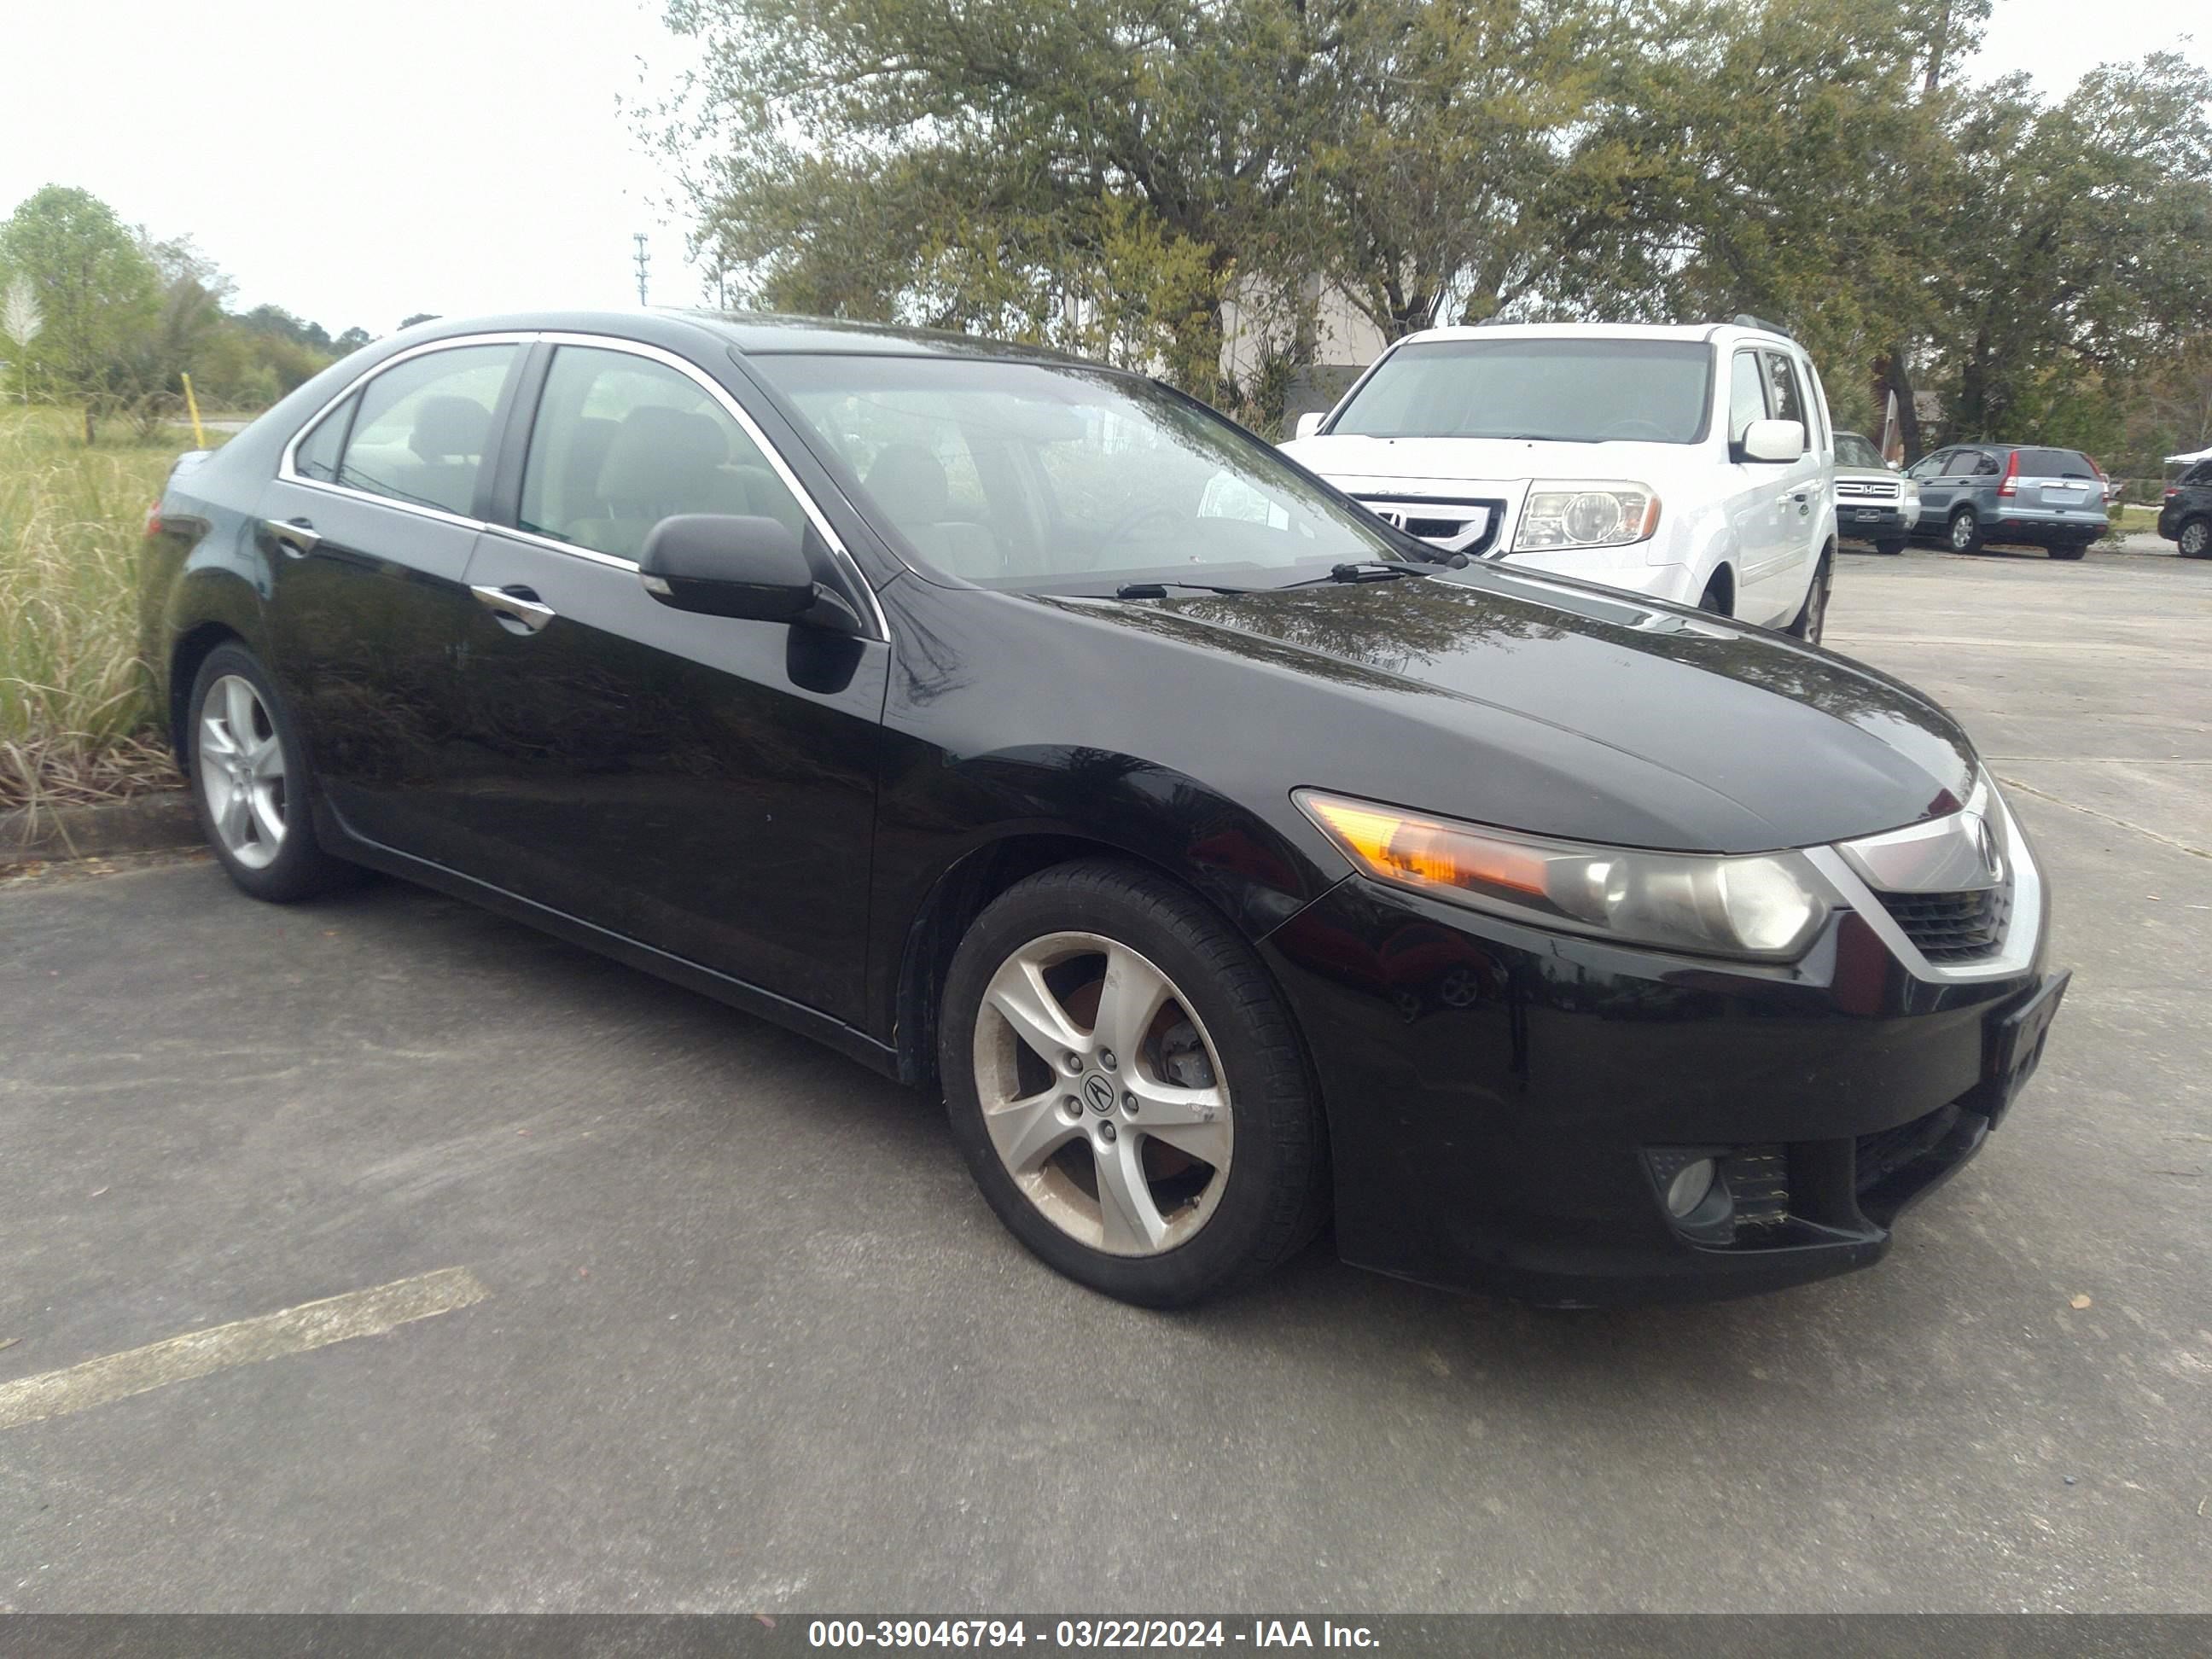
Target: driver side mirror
x=1310, y=423
x=1774, y=441
x=725, y=565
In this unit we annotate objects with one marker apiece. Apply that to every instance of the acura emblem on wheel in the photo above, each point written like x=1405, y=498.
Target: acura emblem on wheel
x=1099, y=1093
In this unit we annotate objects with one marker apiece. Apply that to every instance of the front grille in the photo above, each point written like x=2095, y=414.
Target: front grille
x=1867, y=489
x=1467, y=527
x=1952, y=926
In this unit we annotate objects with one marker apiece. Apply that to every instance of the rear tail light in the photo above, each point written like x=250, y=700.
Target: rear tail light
x=2010, y=484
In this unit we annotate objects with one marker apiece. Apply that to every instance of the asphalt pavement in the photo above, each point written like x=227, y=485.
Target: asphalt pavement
x=685, y=1314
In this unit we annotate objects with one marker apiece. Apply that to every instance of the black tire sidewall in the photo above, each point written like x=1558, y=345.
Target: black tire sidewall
x=300, y=867
x=1272, y=1179
x=1972, y=520
x=2203, y=529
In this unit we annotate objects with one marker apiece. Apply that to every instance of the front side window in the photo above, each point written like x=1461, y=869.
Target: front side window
x=421, y=428
x=622, y=442
x=1565, y=390
x=1044, y=475
x=1784, y=395
x=1746, y=395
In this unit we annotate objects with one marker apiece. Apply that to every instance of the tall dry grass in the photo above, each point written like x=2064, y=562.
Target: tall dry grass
x=75, y=722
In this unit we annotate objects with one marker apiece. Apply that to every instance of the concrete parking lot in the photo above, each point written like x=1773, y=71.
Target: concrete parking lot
x=736, y=1333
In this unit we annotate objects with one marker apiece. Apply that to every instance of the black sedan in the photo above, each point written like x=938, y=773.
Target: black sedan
x=1029, y=732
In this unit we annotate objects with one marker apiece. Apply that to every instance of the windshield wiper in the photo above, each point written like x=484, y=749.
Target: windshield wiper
x=1370, y=570
x=1160, y=590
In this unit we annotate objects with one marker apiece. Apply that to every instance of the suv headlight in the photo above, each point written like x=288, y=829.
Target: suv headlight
x=1766, y=907
x=1568, y=513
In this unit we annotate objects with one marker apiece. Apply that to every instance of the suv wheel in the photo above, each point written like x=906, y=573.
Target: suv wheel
x=2196, y=538
x=2069, y=549
x=1966, y=532
x=1812, y=614
x=1891, y=545
x=1127, y=1089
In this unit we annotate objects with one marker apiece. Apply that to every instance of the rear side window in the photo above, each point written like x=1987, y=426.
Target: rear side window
x=316, y=456
x=1784, y=395
x=2199, y=474
x=1746, y=395
x=1984, y=465
x=421, y=428
x=622, y=442
x=2054, y=463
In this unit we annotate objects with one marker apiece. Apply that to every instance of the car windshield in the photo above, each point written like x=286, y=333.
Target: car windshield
x=1570, y=390
x=1852, y=450
x=1049, y=475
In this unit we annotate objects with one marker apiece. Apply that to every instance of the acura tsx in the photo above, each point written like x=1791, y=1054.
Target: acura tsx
x=1231, y=861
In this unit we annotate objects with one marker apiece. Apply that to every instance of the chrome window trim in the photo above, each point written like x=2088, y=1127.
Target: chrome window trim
x=735, y=412
x=288, y=474
x=2023, y=924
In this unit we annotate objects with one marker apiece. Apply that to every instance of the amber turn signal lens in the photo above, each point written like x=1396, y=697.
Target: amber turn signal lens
x=1399, y=847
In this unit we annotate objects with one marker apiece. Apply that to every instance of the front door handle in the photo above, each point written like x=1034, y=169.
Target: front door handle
x=295, y=536
x=519, y=606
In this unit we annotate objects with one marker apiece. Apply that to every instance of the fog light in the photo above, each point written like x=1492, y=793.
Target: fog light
x=1689, y=1187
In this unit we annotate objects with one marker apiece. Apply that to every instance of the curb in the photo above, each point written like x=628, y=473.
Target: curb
x=151, y=823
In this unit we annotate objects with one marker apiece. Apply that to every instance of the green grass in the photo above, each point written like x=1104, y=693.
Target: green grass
x=75, y=723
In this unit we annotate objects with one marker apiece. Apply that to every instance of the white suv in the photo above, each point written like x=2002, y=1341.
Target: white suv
x=1695, y=464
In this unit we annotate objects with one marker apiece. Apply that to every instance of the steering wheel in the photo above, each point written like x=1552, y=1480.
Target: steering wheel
x=1120, y=529
x=1626, y=429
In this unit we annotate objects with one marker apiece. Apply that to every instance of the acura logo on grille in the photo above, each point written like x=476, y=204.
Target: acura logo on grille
x=1985, y=843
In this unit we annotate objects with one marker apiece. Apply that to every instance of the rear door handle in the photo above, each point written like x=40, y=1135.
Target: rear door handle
x=520, y=606
x=296, y=536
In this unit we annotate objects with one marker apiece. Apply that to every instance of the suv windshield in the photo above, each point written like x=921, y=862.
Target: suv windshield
x=1852, y=450
x=1571, y=391
x=1013, y=474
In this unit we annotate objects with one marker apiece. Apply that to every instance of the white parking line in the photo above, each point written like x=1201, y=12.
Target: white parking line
x=271, y=1336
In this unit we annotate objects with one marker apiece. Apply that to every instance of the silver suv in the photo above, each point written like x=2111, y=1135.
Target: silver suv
x=1970, y=493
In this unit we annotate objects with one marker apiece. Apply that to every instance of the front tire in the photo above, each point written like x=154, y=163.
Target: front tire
x=250, y=784
x=1890, y=546
x=1965, y=534
x=1127, y=1087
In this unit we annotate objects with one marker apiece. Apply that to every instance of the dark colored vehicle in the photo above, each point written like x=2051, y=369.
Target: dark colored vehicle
x=2185, y=518
x=1024, y=729
x=1970, y=493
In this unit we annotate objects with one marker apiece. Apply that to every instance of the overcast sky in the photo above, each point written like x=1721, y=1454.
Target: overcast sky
x=358, y=160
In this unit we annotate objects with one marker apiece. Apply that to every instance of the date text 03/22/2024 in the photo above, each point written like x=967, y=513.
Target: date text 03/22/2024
x=1083, y=1633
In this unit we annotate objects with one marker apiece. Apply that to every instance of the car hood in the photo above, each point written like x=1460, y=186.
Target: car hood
x=1556, y=707
x=1478, y=459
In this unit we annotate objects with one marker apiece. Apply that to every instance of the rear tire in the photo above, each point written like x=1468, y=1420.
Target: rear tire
x=1812, y=616
x=1218, y=1170
x=2194, y=541
x=1965, y=531
x=251, y=787
x=2069, y=549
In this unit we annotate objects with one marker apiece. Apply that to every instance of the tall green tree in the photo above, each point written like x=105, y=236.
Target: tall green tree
x=2074, y=238
x=95, y=287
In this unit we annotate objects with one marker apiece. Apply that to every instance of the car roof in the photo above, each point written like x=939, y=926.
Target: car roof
x=1719, y=333
x=750, y=333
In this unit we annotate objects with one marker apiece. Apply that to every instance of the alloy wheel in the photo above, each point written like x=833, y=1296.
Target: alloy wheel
x=1962, y=532
x=2196, y=538
x=241, y=772
x=1102, y=1094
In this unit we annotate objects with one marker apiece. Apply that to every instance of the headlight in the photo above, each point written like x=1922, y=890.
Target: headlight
x=1566, y=513
x=1767, y=906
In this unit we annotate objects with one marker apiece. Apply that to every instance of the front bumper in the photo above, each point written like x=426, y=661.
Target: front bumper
x=1494, y=1092
x=1864, y=523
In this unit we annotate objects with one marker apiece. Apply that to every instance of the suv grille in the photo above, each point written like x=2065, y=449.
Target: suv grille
x=1467, y=527
x=1867, y=489
x=1952, y=926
